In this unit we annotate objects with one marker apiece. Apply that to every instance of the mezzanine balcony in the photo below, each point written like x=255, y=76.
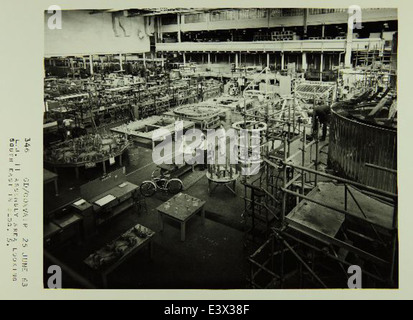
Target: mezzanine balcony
x=334, y=45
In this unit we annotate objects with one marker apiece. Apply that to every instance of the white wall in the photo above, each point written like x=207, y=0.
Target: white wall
x=83, y=33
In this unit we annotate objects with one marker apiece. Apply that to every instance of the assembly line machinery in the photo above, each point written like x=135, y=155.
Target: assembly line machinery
x=320, y=220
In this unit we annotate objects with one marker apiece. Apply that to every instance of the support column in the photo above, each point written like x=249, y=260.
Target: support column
x=91, y=64
x=236, y=60
x=304, y=62
x=282, y=61
x=209, y=59
x=72, y=66
x=268, y=60
x=120, y=61
x=144, y=59
x=179, y=27
x=349, y=46
x=321, y=66
x=323, y=29
x=160, y=28
x=184, y=58
x=305, y=22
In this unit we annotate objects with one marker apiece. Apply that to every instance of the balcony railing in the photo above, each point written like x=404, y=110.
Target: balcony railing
x=272, y=46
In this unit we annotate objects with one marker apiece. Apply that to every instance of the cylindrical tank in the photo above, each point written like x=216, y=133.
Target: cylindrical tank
x=249, y=154
x=354, y=144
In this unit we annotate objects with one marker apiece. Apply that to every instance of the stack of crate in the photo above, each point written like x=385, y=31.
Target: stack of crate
x=262, y=36
x=283, y=35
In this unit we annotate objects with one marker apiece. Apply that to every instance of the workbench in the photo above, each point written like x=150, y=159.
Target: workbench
x=62, y=225
x=203, y=115
x=88, y=164
x=109, y=196
x=111, y=256
x=143, y=130
x=86, y=151
x=48, y=177
x=181, y=208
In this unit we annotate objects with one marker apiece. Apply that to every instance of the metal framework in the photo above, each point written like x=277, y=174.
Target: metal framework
x=319, y=236
x=309, y=90
x=283, y=126
x=313, y=224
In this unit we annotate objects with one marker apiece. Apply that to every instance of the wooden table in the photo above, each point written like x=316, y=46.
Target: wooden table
x=62, y=228
x=122, y=200
x=116, y=259
x=70, y=225
x=77, y=165
x=181, y=208
x=48, y=177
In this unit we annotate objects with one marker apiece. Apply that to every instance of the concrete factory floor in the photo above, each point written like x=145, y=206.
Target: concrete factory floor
x=212, y=257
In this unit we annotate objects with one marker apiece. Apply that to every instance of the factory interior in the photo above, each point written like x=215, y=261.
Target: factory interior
x=315, y=197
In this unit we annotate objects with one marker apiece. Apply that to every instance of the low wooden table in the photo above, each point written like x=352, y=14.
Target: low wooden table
x=181, y=208
x=48, y=177
x=116, y=258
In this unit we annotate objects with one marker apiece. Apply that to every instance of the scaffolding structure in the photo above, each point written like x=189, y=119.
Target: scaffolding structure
x=310, y=225
x=326, y=224
x=284, y=119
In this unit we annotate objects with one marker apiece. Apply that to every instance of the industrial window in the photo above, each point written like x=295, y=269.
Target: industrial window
x=275, y=13
x=325, y=11
x=169, y=19
x=292, y=12
x=195, y=18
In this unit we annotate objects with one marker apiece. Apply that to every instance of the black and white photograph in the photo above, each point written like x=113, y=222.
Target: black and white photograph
x=220, y=148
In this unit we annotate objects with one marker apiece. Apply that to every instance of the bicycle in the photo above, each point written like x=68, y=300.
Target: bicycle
x=162, y=182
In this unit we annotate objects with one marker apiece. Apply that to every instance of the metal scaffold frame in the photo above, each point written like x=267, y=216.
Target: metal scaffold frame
x=289, y=180
x=313, y=255
x=285, y=126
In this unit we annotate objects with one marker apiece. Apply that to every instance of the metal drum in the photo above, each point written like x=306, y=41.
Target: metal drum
x=248, y=157
x=362, y=151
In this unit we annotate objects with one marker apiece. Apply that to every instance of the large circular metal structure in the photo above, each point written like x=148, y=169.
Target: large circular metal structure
x=198, y=112
x=362, y=149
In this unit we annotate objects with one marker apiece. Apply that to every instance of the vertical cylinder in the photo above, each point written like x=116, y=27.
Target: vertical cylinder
x=321, y=66
x=91, y=64
x=282, y=61
x=349, y=46
x=304, y=61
